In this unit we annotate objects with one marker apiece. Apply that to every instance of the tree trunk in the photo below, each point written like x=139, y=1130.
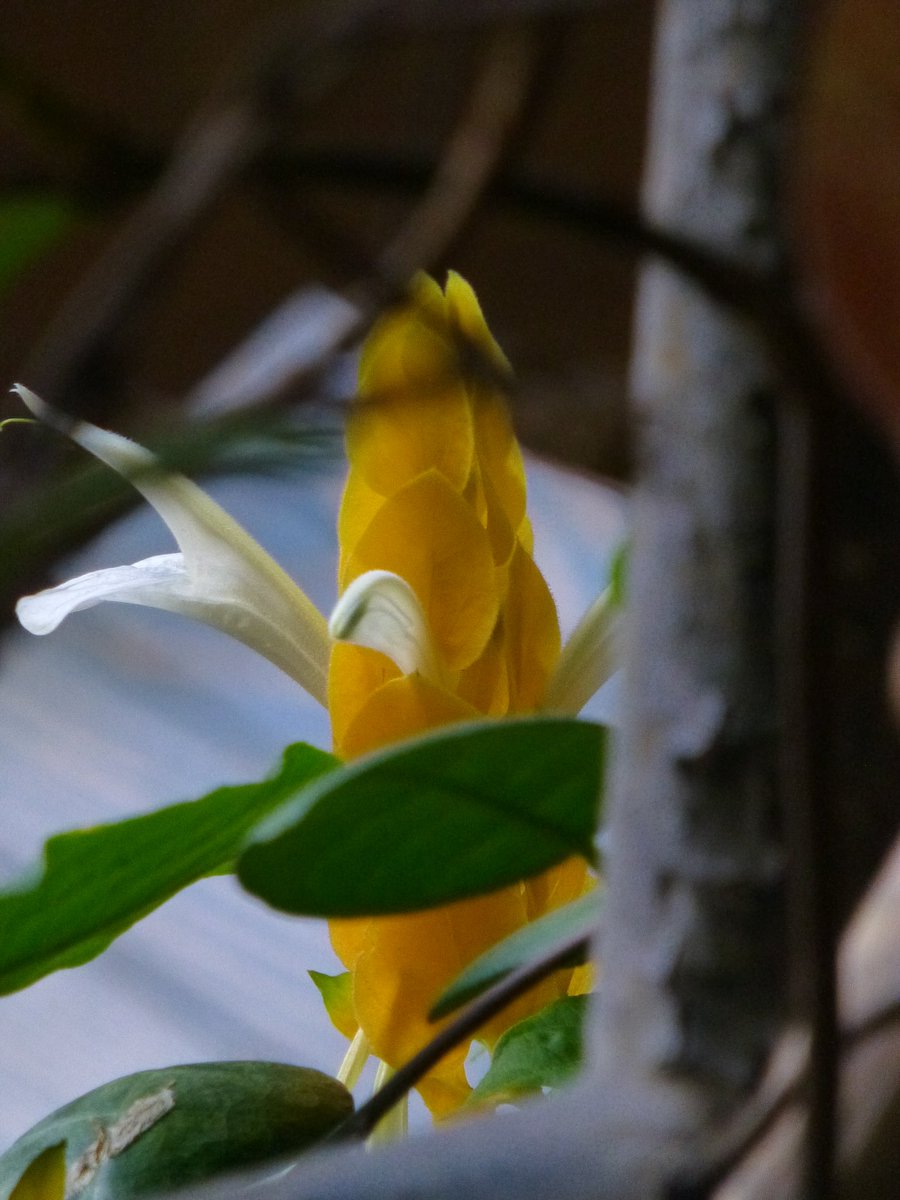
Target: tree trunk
x=693, y=986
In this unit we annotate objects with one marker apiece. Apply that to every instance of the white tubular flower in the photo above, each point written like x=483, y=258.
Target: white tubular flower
x=221, y=575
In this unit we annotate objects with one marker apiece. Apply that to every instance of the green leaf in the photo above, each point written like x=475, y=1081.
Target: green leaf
x=337, y=996
x=572, y=923
x=95, y=883
x=461, y=811
x=541, y=1051
x=29, y=225
x=159, y=1132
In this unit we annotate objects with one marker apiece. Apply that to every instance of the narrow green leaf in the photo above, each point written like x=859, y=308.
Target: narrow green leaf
x=29, y=225
x=542, y=1051
x=95, y=883
x=461, y=811
x=573, y=923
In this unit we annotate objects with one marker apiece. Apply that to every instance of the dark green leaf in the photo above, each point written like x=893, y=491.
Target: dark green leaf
x=95, y=883
x=573, y=923
x=464, y=810
x=541, y=1051
x=159, y=1132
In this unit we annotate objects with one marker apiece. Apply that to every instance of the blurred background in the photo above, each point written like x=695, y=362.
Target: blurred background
x=201, y=209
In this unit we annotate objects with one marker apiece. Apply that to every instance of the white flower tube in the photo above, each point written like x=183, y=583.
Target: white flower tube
x=222, y=576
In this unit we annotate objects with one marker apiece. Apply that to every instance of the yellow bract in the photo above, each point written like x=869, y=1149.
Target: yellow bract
x=436, y=495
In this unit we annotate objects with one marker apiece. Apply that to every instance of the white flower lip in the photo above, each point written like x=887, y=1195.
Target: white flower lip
x=381, y=611
x=221, y=575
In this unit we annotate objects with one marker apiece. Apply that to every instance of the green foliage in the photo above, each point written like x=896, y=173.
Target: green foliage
x=98, y=882
x=542, y=1051
x=464, y=810
x=165, y=1129
x=572, y=923
x=337, y=996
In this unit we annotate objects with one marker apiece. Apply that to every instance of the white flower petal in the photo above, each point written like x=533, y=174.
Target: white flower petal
x=588, y=658
x=381, y=611
x=151, y=581
x=226, y=578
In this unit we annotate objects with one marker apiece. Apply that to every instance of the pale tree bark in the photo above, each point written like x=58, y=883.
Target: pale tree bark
x=693, y=981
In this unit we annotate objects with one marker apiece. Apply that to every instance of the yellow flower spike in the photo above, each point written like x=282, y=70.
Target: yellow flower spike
x=456, y=619
x=435, y=502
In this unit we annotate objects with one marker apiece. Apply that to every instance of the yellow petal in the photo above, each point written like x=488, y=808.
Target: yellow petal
x=413, y=412
x=349, y=937
x=428, y=535
x=583, y=979
x=464, y=311
x=485, y=684
x=445, y=1088
x=532, y=633
x=486, y=504
x=410, y=959
x=355, y=674
x=359, y=504
x=399, y=709
x=499, y=456
x=560, y=885
x=526, y=537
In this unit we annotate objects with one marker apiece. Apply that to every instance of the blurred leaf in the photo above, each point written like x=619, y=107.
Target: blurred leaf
x=573, y=923
x=542, y=1051
x=95, y=883
x=461, y=811
x=29, y=225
